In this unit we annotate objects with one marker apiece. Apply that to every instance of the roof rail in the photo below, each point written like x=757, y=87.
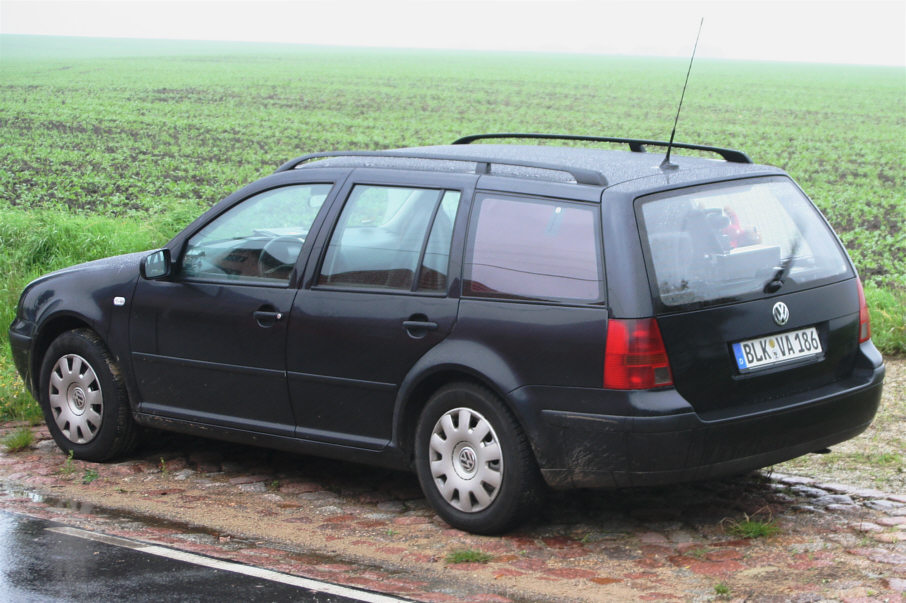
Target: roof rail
x=636, y=145
x=482, y=164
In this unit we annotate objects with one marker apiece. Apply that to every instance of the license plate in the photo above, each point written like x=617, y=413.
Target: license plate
x=775, y=349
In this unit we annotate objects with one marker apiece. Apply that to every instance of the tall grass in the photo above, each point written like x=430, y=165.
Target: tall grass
x=39, y=241
x=887, y=308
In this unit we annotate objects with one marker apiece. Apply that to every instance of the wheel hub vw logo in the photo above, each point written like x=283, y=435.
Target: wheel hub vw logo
x=467, y=460
x=781, y=313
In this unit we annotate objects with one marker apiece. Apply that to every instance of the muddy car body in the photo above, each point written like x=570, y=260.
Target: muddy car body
x=499, y=317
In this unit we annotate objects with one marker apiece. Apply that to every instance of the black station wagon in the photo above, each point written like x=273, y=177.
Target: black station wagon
x=498, y=317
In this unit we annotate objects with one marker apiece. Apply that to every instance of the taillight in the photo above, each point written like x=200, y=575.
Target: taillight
x=864, y=322
x=634, y=356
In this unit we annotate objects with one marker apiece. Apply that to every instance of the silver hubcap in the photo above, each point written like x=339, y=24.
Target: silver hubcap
x=75, y=398
x=466, y=460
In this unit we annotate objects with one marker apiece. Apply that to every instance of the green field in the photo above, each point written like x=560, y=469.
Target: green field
x=112, y=146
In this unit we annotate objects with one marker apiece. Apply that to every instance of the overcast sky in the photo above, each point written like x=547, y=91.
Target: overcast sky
x=860, y=32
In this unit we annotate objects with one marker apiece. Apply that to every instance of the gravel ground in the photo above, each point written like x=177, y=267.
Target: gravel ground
x=840, y=522
x=877, y=457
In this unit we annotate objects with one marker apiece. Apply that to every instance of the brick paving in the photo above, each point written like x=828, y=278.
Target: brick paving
x=371, y=528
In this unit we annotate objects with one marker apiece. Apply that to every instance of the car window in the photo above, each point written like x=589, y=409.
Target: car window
x=728, y=241
x=380, y=239
x=257, y=241
x=432, y=275
x=533, y=249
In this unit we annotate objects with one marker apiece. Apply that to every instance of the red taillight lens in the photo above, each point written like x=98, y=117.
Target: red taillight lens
x=864, y=322
x=635, y=357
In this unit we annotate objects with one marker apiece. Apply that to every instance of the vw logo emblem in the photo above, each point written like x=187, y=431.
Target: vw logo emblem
x=781, y=313
x=467, y=459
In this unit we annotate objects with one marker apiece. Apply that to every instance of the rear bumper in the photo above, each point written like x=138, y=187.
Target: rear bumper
x=577, y=448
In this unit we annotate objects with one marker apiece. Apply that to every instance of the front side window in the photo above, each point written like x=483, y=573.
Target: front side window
x=257, y=241
x=533, y=249
x=391, y=237
x=728, y=241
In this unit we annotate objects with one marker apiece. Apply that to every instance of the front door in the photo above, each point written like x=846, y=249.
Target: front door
x=380, y=298
x=208, y=345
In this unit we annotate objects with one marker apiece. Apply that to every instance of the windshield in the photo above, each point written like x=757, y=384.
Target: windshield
x=726, y=242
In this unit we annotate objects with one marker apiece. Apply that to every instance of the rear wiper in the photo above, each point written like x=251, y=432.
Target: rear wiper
x=776, y=282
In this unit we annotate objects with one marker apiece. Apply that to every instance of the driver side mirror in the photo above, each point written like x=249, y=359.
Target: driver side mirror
x=156, y=265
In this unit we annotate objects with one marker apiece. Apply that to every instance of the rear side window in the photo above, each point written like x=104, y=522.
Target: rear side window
x=522, y=248
x=392, y=238
x=436, y=260
x=728, y=241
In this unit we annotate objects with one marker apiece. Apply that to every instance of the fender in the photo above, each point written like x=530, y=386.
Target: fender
x=466, y=357
x=90, y=292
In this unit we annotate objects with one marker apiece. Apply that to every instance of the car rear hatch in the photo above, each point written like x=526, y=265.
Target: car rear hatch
x=757, y=303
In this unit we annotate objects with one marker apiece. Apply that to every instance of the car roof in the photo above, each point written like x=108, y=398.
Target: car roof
x=615, y=166
x=568, y=164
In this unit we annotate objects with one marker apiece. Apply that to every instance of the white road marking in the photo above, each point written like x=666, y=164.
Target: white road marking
x=237, y=568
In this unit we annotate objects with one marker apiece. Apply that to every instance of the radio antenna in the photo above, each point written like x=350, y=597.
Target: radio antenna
x=665, y=164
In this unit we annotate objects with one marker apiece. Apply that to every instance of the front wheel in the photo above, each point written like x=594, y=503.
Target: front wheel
x=474, y=463
x=84, y=399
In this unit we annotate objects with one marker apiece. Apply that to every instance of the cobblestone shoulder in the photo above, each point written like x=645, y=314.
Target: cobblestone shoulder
x=371, y=528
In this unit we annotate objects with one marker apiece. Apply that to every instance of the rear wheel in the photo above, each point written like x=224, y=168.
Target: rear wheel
x=474, y=463
x=84, y=400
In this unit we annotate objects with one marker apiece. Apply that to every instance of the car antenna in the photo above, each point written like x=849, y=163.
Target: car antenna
x=665, y=164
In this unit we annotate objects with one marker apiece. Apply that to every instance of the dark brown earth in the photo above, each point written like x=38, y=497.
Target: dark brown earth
x=372, y=529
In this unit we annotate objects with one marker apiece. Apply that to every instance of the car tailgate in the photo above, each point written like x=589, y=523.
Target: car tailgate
x=707, y=374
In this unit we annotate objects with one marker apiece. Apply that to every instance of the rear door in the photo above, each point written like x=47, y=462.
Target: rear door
x=380, y=296
x=757, y=301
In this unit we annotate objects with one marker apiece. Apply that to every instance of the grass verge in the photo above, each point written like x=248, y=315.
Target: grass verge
x=18, y=440
x=38, y=241
x=887, y=307
x=749, y=527
x=468, y=556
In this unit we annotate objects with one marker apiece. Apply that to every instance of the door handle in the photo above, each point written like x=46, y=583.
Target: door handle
x=418, y=329
x=267, y=318
x=419, y=324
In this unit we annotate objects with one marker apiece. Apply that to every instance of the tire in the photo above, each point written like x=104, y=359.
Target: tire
x=84, y=400
x=474, y=463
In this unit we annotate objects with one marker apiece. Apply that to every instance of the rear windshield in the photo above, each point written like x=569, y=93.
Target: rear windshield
x=728, y=241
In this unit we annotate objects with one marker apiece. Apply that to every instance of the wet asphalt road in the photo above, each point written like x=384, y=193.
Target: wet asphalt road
x=43, y=561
